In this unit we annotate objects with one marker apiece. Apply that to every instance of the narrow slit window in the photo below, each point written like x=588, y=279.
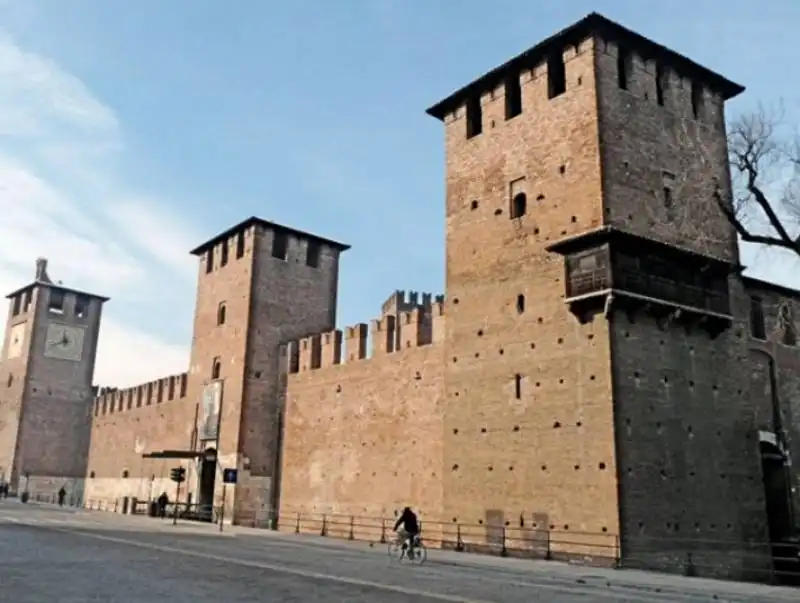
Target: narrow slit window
x=209, y=260
x=222, y=313
x=519, y=205
x=216, y=368
x=312, y=254
x=758, y=327
x=518, y=386
x=556, y=75
x=17, y=305
x=661, y=84
x=240, y=245
x=520, y=303
x=513, y=96
x=623, y=68
x=474, y=117
x=223, y=260
x=789, y=333
x=280, y=245
x=669, y=203
x=697, y=100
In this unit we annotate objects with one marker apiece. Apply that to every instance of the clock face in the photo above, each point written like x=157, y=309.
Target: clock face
x=64, y=342
x=16, y=340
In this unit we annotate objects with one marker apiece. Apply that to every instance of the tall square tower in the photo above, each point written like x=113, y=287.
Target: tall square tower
x=47, y=368
x=260, y=285
x=595, y=361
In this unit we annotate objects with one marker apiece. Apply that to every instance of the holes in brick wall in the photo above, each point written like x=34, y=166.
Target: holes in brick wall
x=540, y=197
x=511, y=467
x=455, y=301
x=533, y=346
x=501, y=351
x=544, y=467
x=257, y=374
x=338, y=389
x=536, y=230
x=691, y=383
x=455, y=467
x=573, y=219
x=562, y=169
x=560, y=340
x=516, y=428
x=480, y=332
x=473, y=206
x=561, y=382
x=556, y=425
x=418, y=376
x=490, y=468
x=455, y=431
x=455, y=359
x=601, y=466
x=125, y=474
x=483, y=430
x=540, y=320
x=577, y=467
x=592, y=377
x=538, y=384
x=578, y=424
x=498, y=211
x=636, y=374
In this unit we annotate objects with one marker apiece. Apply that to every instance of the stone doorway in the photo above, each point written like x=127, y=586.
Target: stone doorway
x=206, y=483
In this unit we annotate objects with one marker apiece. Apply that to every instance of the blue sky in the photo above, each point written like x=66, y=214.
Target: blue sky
x=131, y=131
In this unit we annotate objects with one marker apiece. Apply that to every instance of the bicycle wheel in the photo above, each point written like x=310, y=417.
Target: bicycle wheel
x=396, y=551
x=420, y=554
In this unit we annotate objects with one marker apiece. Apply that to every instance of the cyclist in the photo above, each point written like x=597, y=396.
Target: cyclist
x=410, y=531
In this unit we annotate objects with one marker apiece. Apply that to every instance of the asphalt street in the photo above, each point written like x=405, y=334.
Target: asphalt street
x=71, y=556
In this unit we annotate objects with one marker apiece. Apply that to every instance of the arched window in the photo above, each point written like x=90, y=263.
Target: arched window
x=216, y=369
x=221, y=312
x=519, y=205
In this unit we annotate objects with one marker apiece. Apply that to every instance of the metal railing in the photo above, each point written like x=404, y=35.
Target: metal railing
x=755, y=561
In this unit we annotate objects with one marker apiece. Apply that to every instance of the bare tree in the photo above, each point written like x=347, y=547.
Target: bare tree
x=765, y=169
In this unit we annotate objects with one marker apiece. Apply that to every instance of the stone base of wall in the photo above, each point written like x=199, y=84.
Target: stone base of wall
x=46, y=487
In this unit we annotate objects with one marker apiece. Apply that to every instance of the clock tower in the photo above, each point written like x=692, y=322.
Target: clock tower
x=46, y=375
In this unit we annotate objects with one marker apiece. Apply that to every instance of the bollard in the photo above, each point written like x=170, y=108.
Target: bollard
x=352, y=528
x=690, y=571
x=383, y=531
x=459, y=540
x=324, y=531
x=504, y=549
x=297, y=525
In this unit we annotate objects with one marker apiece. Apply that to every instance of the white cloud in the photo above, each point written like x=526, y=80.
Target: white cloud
x=61, y=198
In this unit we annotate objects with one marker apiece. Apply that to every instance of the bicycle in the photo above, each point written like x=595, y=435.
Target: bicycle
x=398, y=549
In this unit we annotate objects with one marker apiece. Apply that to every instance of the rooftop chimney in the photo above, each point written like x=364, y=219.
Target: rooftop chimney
x=41, y=270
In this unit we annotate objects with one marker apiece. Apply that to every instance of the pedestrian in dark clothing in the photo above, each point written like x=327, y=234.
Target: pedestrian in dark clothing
x=62, y=494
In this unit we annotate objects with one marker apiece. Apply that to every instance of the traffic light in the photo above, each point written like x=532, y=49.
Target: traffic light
x=177, y=474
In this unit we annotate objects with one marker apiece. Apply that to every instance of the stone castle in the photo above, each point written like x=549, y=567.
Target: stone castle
x=599, y=366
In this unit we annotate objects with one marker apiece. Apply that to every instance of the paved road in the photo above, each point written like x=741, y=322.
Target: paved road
x=69, y=556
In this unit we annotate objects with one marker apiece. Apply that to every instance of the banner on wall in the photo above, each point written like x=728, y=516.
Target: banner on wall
x=208, y=429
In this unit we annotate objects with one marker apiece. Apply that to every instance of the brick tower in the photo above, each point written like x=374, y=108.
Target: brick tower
x=595, y=368
x=260, y=285
x=47, y=367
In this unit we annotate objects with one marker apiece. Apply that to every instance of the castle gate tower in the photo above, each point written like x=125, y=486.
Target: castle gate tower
x=596, y=375
x=260, y=285
x=46, y=373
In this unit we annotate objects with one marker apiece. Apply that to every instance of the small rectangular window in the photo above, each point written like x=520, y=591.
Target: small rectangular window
x=56, y=303
x=312, y=254
x=81, y=306
x=209, y=260
x=240, y=245
x=474, y=116
x=223, y=260
x=556, y=75
x=280, y=245
x=758, y=327
x=17, y=305
x=513, y=96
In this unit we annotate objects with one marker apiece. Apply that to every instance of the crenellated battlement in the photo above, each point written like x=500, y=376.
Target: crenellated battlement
x=111, y=400
x=404, y=323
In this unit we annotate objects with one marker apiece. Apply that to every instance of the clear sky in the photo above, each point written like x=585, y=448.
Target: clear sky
x=131, y=131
